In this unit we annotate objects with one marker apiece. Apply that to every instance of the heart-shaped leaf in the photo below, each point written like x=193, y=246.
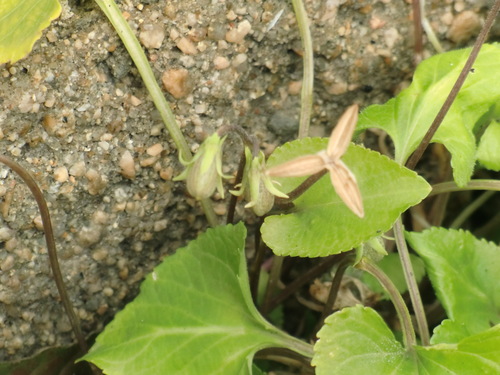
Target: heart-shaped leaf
x=464, y=273
x=320, y=224
x=22, y=22
x=356, y=340
x=194, y=316
x=407, y=117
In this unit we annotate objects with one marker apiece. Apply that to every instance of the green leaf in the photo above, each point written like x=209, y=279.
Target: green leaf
x=464, y=273
x=356, y=340
x=391, y=265
x=194, y=315
x=21, y=25
x=449, y=332
x=478, y=354
x=407, y=117
x=488, y=152
x=320, y=224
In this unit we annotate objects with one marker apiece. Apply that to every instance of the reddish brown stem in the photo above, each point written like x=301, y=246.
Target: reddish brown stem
x=51, y=247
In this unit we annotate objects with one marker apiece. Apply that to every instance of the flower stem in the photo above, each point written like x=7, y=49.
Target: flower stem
x=411, y=281
x=111, y=10
x=308, y=78
x=401, y=308
x=114, y=15
x=449, y=187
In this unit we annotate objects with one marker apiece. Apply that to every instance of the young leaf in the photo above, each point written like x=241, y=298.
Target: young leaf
x=194, y=315
x=356, y=340
x=407, y=117
x=320, y=223
x=464, y=273
x=488, y=152
x=22, y=22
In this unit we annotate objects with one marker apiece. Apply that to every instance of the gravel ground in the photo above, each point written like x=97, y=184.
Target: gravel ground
x=76, y=115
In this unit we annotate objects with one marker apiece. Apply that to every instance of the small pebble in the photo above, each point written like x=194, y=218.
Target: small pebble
x=239, y=33
x=89, y=236
x=186, y=46
x=127, y=165
x=6, y=234
x=465, y=25
x=177, y=82
x=96, y=182
x=61, y=174
x=38, y=222
x=220, y=63
x=152, y=38
x=8, y=263
x=78, y=169
x=155, y=150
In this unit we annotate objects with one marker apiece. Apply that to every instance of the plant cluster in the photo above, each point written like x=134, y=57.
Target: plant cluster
x=205, y=310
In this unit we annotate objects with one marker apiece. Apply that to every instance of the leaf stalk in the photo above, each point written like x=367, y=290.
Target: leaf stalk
x=402, y=310
x=411, y=281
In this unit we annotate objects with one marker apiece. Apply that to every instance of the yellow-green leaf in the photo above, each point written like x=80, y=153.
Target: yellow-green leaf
x=21, y=25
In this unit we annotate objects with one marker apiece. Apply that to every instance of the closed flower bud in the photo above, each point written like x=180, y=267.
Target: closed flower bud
x=257, y=187
x=203, y=173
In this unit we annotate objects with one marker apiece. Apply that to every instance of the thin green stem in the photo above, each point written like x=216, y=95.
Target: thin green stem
x=111, y=10
x=402, y=310
x=308, y=78
x=411, y=281
x=471, y=208
x=212, y=219
x=114, y=15
x=451, y=186
x=428, y=29
x=51, y=247
x=272, y=284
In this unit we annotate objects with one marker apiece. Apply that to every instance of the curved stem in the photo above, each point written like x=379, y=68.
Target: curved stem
x=51, y=247
x=411, y=281
x=308, y=78
x=471, y=208
x=232, y=201
x=122, y=28
x=451, y=186
x=285, y=356
x=402, y=310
